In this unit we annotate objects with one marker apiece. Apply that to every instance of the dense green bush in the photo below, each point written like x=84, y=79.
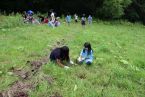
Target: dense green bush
x=136, y=11
x=113, y=9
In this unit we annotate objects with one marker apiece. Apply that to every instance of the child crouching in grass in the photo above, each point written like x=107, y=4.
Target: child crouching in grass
x=59, y=55
x=86, y=54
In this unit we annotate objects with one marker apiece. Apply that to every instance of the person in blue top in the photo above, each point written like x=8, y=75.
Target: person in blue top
x=90, y=19
x=86, y=54
x=68, y=19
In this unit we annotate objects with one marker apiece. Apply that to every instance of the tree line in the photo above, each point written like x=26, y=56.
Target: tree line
x=132, y=10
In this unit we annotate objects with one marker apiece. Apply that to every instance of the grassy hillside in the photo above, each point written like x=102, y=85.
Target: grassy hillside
x=118, y=69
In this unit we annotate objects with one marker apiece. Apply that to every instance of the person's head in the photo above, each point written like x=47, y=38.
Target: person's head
x=87, y=47
x=65, y=52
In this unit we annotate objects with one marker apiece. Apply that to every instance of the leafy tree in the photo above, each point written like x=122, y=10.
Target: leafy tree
x=113, y=9
x=136, y=11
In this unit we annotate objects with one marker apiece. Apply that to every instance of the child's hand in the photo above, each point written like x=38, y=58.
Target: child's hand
x=71, y=62
x=83, y=58
x=80, y=59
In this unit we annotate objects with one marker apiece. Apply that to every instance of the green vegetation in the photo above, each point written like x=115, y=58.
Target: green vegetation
x=113, y=9
x=132, y=10
x=118, y=69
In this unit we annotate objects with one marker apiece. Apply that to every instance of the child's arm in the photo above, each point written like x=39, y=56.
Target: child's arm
x=60, y=64
x=81, y=55
x=58, y=61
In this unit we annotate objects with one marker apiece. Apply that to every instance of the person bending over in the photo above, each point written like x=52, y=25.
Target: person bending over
x=60, y=55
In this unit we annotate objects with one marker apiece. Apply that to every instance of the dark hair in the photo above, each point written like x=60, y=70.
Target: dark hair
x=65, y=53
x=87, y=45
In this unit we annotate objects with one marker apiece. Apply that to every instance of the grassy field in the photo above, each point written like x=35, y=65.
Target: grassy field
x=118, y=69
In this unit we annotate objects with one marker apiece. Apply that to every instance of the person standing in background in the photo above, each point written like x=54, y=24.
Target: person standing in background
x=90, y=19
x=76, y=18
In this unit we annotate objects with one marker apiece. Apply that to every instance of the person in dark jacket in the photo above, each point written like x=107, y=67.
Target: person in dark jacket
x=59, y=55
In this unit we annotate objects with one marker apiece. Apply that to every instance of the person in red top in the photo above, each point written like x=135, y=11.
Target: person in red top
x=46, y=20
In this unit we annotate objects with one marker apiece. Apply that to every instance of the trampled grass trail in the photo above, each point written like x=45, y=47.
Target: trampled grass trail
x=118, y=69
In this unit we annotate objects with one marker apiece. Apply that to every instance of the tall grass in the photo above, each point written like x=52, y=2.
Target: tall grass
x=11, y=21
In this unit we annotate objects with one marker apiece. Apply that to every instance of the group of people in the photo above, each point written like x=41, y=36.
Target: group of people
x=61, y=57
x=83, y=19
x=52, y=20
x=28, y=17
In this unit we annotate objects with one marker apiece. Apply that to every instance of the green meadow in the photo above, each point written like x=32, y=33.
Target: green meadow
x=118, y=69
